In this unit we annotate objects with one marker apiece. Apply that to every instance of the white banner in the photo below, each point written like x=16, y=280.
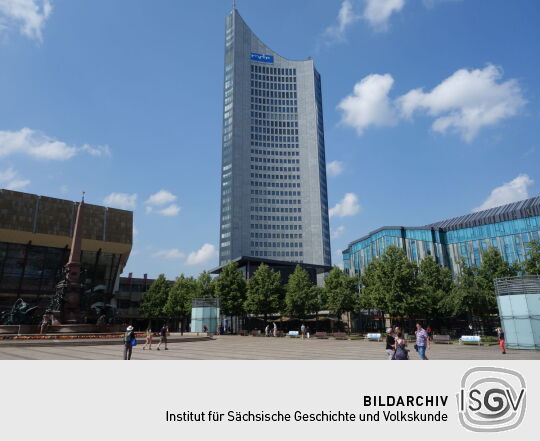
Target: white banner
x=269, y=400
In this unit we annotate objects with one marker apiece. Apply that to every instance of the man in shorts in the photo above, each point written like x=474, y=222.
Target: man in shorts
x=163, y=336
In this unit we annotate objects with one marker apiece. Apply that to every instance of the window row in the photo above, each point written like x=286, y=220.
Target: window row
x=274, y=138
x=274, y=79
x=273, y=70
x=275, y=184
x=270, y=168
x=276, y=244
x=276, y=209
x=276, y=218
x=276, y=193
x=274, y=94
x=268, y=176
x=276, y=227
x=275, y=146
x=257, y=253
x=276, y=235
x=274, y=160
x=270, y=123
x=275, y=201
x=273, y=131
x=279, y=109
x=273, y=153
x=272, y=86
x=275, y=116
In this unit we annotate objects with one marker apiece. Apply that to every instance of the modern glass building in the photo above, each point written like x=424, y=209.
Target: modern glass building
x=273, y=177
x=508, y=228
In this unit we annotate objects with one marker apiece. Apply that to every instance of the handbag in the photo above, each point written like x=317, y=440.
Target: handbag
x=416, y=348
x=133, y=341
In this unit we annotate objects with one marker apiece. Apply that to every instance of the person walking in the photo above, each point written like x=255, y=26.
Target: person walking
x=163, y=336
x=390, y=344
x=401, y=352
x=500, y=335
x=129, y=342
x=148, y=340
x=275, y=329
x=422, y=341
x=267, y=331
x=303, y=330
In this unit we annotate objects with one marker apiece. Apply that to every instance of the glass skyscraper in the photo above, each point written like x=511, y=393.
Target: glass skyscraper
x=273, y=177
x=508, y=228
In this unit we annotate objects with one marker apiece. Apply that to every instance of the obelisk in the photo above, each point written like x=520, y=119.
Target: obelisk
x=72, y=299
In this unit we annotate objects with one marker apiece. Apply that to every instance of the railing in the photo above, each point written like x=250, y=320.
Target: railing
x=517, y=285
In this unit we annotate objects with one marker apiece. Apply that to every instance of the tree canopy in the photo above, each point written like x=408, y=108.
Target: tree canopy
x=341, y=292
x=154, y=299
x=230, y=287
x=532, y=262
x=300, y=298
x=264, y=292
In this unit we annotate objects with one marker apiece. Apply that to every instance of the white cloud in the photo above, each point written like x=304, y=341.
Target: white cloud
x=348, y=206
x=513, y=191
x=337, y=232
x=173, y=253
x=171, y=210
x=204, y=254
x=40, y=146
x=369, y=104
x=135, y=231
x=378, y=12
x=28, y=15
x=162, y=197
x=466, y=101
x=11, y=180
x=123, y=201
x=334, y=168
x=345, y=18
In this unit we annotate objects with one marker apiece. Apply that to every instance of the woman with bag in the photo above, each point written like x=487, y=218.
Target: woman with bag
x=390, y=344
x=401, y=352
x=129, y=342
x=148, y=341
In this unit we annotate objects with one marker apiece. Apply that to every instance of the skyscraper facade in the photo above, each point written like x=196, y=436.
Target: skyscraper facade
x=273, y=179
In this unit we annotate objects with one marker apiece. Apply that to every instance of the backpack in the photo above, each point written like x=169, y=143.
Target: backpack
x=401, y=353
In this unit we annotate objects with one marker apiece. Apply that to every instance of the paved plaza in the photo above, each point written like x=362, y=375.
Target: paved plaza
x=255, y=348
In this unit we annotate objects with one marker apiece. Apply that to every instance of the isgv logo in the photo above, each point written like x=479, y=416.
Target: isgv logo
x=491, y=399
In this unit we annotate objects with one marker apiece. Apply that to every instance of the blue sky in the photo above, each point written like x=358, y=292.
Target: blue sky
x=431, y=109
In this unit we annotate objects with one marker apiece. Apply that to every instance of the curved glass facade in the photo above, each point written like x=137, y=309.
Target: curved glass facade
x=273, y=183
x=508, y=228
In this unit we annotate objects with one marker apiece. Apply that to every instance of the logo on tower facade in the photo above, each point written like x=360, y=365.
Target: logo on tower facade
x=262, y=58
x=491, y=399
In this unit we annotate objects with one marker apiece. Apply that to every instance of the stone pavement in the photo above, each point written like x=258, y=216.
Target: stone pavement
x=257, y=348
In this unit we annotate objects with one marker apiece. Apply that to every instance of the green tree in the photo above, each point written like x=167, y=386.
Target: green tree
x=342, y=293
x=300, y=298
x=493, y=266
x=205, y=286
x=390, y=284
x=230, y=288
x=532, y=264
x=178, y=305
x=154, y=299
x=435, y=284
x=264, y=292
x=469, y=295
